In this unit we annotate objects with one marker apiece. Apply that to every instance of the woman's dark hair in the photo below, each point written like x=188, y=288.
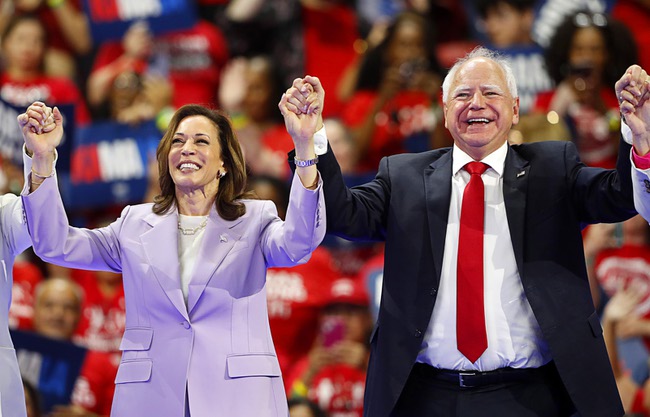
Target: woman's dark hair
x=484, y=6
x=276, y=82
x=621, y=47
x=232, y=187
x=316, y=411
x=373, y=65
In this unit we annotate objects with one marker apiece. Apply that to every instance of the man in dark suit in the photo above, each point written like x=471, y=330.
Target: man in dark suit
x=538, y=348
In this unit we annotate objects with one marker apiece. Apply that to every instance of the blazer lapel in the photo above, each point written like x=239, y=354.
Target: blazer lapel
x=161, y=249
x=515, y=184
x=219, y=239
x=437, y=189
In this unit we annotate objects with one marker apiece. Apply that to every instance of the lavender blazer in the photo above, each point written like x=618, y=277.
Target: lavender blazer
x=217, y=351
x=15, y=239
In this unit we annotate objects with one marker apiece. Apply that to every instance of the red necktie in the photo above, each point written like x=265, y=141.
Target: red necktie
x=470, y=314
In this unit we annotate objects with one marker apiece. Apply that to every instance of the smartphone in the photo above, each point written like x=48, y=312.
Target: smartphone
x=332, y=330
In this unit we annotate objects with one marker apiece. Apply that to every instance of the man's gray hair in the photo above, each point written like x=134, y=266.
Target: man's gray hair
x=481, y=52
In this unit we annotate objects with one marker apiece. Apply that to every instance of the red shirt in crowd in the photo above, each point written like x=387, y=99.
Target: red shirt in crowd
x=591, y=129
x=623, y=267
x=103, y=318
x=196, y=58
x=26, y=277
x=329, y=36
x=95, y=385
x=295, y=297
x=338, y=389
x=407, y=116
x=50, y=90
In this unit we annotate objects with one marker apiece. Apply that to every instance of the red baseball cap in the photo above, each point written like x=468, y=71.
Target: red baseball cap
x=348, y=291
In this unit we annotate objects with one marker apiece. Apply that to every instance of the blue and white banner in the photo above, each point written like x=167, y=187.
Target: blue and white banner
x=109, y=164
x=110, y=19
x=11, y=138
x=52, y=366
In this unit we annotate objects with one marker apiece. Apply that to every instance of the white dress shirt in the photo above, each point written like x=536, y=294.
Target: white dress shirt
x=514, y=336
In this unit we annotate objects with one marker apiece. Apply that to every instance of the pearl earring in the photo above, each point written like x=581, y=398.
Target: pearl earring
x=220, y=174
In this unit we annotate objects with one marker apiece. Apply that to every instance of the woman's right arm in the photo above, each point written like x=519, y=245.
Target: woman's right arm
x=53, y=239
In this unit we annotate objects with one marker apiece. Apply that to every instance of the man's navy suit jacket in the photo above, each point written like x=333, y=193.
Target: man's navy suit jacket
x=549, y=197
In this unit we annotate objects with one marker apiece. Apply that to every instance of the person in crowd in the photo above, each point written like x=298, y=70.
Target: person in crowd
x=32, y=400
x=23, y=80
x=585, y=58
x=303, y=407
x=57, y=312
x=634, y=396
x=193, y=264
x=333, y=373
x=190, y=59
x=485, y=305
x=257, y=84
x=66, y=27
x=27, y=275
x=394, y=107
x=508, y=26
x=103, y=310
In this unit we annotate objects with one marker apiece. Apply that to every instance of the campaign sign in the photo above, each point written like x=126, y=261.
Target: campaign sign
x=110, y=19
x=52, y=366
x=109, y=164
x=11, y=138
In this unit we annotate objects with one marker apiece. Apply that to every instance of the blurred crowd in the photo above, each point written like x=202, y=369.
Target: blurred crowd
x=381, y=63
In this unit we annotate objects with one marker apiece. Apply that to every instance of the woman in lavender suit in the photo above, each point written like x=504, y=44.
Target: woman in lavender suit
x=197, y=340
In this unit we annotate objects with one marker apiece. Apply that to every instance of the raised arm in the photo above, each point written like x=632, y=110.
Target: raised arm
x=302, y=107
x=42, y=129
x=633, y=92
x=54, y=240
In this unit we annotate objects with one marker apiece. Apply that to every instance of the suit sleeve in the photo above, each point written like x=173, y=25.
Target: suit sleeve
x=357, y=213
x=55, y=241
x=291, y=242
x=14, y=227
x=602, y=195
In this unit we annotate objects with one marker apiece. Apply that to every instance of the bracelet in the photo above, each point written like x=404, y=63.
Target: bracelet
x=36, y=174
x=34, y=182
x=305, y=163
x=54, y=4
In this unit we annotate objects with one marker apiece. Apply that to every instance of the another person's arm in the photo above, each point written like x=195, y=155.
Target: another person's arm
x=633, y=92
x=620, y=306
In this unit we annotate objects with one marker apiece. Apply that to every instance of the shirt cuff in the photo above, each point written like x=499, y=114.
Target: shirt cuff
x=320, y=142
x=626, y=132
x=640, y=162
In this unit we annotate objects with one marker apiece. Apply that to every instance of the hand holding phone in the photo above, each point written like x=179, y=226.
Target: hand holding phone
x=332, y=331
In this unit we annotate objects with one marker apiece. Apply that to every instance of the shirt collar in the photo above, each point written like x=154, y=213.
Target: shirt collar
x=496, y=160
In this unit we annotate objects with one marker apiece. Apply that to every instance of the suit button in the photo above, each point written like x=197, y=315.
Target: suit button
x=418, y=333
x=433, y=292
x=185, y=324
